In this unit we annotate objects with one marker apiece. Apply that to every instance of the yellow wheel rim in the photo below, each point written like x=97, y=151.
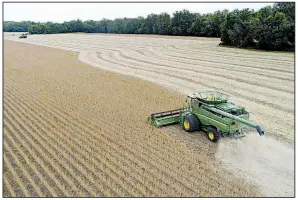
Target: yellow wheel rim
x=211, y=135
x=186, y=124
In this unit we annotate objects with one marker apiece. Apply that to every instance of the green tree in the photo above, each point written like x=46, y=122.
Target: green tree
x=182, y=22
x=288, y=8
x=164, y=26
x=197, y=26
x=150, y=24
x=9, y=26
x=273, y=33
x=211, y=23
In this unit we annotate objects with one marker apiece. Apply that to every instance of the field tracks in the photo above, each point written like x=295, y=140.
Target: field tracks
x=244, y=95
x=191, y=70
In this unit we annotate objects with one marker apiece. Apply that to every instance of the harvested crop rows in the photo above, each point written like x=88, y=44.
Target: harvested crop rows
x=74, y=130
x=262, y=81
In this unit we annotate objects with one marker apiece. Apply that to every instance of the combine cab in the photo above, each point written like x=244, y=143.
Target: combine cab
x=208, y=111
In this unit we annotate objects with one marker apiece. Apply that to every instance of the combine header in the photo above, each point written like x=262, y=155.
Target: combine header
x=208, y=111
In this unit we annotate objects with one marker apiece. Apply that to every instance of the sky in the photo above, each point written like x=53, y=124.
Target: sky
x=59, y=12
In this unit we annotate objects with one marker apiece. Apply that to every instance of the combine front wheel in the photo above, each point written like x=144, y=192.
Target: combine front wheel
x=191, y=123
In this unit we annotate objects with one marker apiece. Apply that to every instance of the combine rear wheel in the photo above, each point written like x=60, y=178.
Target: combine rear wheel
x=212, y=134
x=191, y=123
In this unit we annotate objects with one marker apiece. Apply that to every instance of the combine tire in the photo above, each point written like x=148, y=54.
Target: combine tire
x=191, y=123
x=212, y=134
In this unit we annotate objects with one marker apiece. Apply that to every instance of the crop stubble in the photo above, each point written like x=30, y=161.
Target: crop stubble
x=74, y=130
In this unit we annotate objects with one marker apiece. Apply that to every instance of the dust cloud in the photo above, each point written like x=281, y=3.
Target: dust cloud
x=264, y=161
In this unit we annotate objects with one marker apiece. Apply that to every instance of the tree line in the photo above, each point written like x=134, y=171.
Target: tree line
x=10, y=26
x=270, y=28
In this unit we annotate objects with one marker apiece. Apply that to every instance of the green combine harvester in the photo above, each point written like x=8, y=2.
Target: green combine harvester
x=210, y=112
x=23, y=36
